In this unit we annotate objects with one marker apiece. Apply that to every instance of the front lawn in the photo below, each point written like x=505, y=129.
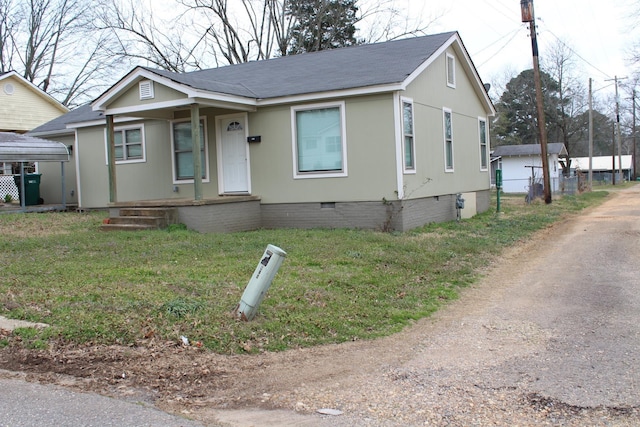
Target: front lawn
x=334, y=285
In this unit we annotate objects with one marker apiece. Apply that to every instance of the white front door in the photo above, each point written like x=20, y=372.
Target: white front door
x=233, y=154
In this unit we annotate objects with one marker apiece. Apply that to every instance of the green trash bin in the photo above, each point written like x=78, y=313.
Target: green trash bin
x=31, y=188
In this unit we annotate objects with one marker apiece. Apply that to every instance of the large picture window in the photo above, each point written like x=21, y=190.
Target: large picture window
x=183, y=150
x=407, y=130
x=448, y=140
x=319, y=141
x=482, y=130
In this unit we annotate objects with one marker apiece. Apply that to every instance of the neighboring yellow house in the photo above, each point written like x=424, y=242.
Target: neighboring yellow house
x=23, y=107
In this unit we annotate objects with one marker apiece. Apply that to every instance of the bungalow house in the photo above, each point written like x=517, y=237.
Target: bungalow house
x=379, y=136
x=522, y=163
x=23, y=106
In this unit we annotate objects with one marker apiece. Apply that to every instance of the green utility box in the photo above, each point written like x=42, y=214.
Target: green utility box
x=31, y=188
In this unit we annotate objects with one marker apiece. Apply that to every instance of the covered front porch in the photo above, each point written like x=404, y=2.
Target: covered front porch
x=207, y=135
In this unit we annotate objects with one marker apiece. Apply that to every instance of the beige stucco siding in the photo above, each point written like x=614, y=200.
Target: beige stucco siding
x=370, y=156
x=131, y=97
x=24, y=109
x=430, y=94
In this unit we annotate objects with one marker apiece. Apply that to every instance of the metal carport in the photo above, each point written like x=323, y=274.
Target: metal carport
x=18, y=148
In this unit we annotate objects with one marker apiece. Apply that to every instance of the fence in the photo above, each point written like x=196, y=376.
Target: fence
x=8, y=186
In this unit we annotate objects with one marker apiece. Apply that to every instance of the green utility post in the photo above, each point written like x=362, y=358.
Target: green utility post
x=498, y=186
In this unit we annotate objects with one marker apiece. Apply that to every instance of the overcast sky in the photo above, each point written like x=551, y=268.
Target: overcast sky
x=600, y=33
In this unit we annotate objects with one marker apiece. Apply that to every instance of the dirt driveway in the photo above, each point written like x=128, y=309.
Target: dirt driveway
x=550, y=336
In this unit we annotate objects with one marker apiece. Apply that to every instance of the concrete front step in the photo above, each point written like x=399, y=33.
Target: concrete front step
x=126, y=227
x=141, y=219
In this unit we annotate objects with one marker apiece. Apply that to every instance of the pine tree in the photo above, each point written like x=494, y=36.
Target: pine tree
x=322, y=24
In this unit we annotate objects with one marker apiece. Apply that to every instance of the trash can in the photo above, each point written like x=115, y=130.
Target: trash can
x=31, y=188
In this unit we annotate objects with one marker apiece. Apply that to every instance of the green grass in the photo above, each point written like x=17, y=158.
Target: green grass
x=334, y=285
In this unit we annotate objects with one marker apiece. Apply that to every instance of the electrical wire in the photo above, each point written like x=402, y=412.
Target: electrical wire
x=576, y=53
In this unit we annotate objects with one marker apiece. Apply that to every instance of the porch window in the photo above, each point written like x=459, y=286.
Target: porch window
x=129, y=144
x=407, y=129
x=448, y=140
x=319, y=141
x=482, y=130
x=183, y=150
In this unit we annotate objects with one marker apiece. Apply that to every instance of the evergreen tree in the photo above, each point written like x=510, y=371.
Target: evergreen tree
x=322, y=24
x=516, y=121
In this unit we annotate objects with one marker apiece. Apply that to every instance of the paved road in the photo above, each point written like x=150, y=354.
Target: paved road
x=25, y=404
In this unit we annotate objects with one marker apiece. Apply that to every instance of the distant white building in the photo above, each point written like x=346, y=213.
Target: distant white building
x=522, y=163
x=602, y=166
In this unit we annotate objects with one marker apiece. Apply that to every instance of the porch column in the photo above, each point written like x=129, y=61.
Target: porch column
x=195, y=141
x=111, y=160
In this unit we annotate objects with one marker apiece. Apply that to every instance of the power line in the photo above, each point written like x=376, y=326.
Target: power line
x=513, y=36
x=576, y=53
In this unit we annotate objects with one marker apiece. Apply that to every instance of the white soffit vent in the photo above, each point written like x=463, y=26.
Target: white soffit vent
x=146, y=89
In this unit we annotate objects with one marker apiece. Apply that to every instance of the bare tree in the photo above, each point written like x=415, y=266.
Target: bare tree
x=11, y=18
x=141, y=38
x=570, y=126
x=246, y=30
x=52, y=43
x=383, y=20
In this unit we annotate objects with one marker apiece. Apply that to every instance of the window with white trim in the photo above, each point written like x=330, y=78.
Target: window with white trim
x=482, y=131
x=129, y=144
x=319, y=142
x=183, y=150
x=451, y=70
x=407, y=131
x=448, y=140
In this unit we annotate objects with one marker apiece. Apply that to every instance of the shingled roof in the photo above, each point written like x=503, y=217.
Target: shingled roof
x=329, y=70
x=528, y=150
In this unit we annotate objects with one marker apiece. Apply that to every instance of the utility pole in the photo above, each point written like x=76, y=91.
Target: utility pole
x=528, y=15
x=618, y=134
x=633, y=158
x=590, y=133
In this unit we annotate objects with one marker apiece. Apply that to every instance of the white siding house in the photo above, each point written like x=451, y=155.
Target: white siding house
x=522, y=163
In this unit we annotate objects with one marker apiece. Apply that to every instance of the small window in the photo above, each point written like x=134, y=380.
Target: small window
x=183, y=151
x=146, y=89
x=319, y=141
x=482, y=130
x=129, y=144
x=407, y=130
x=448, y=140
x=234, y=126
x=451, y=71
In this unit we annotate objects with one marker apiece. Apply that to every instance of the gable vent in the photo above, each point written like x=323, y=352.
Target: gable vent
x=146, y=89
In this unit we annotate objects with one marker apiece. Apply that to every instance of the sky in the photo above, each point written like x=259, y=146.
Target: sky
x=599, y=32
